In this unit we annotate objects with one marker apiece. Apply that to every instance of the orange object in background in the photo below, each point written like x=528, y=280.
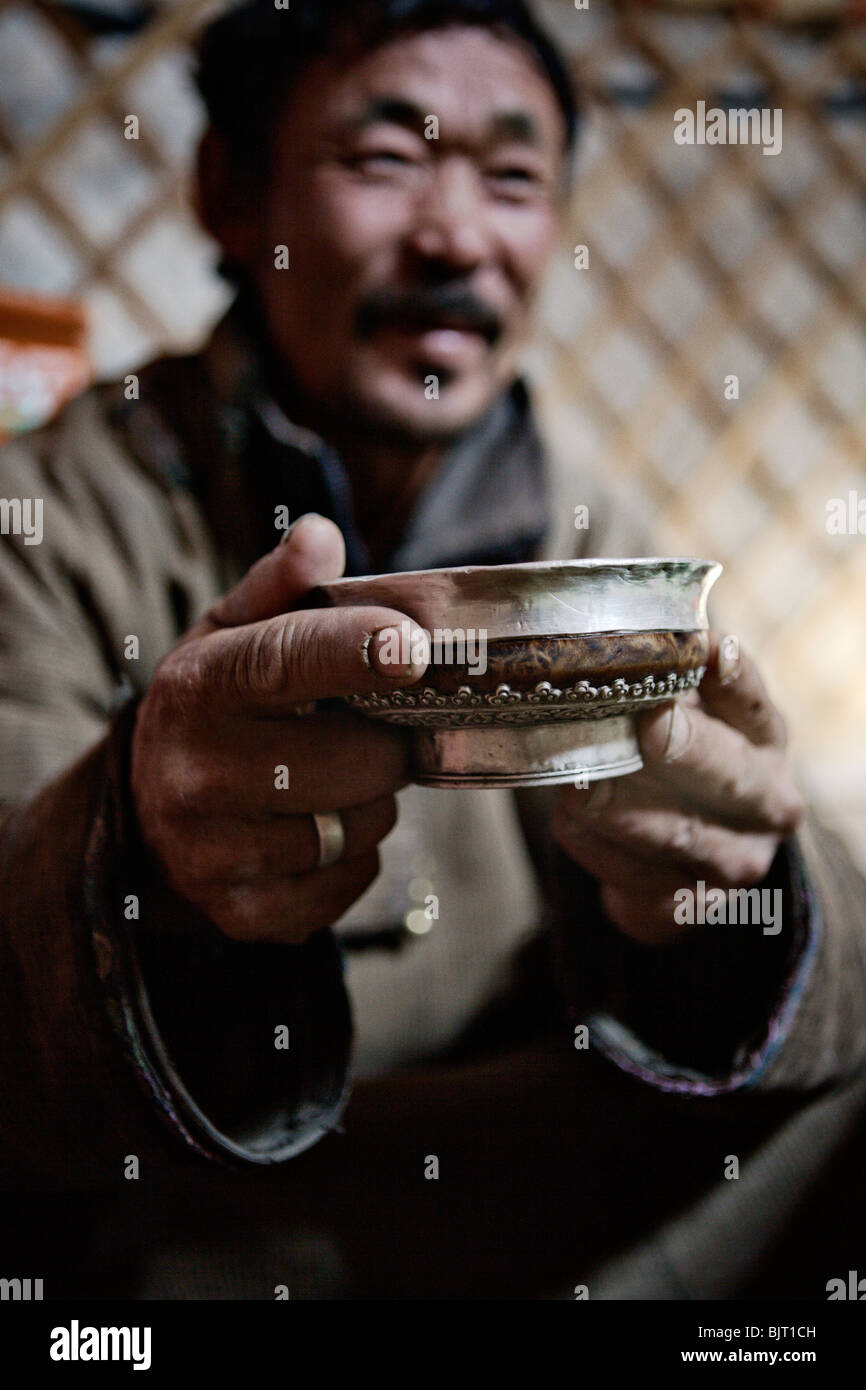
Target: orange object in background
x=43, y=360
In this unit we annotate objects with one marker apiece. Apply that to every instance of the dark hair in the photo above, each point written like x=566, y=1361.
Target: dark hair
x=250, y=58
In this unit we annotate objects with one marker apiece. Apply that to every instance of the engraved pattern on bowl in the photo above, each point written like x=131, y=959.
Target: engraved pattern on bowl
x=546, y=704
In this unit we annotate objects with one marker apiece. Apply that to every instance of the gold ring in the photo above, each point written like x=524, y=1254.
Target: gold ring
x=332, y=837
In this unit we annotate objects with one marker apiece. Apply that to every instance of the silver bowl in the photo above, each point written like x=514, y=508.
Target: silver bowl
x=538, y=670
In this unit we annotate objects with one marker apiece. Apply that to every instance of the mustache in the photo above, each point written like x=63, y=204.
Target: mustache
x=429, y=306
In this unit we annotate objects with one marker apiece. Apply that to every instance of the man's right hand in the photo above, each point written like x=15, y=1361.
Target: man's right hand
x=230, y=704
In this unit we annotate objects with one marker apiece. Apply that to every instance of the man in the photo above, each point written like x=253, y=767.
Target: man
x=207, y=857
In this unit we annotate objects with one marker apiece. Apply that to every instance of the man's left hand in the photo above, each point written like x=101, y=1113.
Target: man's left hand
x=714, y=800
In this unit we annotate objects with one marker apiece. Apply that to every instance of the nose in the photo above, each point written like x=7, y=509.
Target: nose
x=450, y=218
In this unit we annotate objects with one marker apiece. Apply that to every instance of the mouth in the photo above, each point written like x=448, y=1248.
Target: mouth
x=447, y=329
x=482, y=324
x=443, y=339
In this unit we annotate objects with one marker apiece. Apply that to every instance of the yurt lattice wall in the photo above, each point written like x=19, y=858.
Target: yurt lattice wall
x=712, y=261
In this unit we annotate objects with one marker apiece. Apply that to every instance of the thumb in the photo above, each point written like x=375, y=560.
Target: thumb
x=310, y=552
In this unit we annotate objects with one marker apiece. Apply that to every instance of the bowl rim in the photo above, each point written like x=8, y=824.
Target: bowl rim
x=594, y=563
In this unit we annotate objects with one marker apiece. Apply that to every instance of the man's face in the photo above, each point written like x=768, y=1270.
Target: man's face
x=417, y=190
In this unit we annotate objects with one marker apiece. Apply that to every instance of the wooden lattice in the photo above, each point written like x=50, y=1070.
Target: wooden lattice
x=108, y=83
x=707, y=262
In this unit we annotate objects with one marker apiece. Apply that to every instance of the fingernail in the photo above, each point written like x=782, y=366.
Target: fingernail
x=729, y=659
x=679, y=732
x=596, y=796
x=400, y=653
x=284, y=538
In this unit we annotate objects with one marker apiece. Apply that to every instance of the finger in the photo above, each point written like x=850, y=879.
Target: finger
x=651, y=922
x=352, y=765
x=631, y=871
x=717, y=771
x=290, y=910
x=599, y=798
x=311, y=552
x=637, y=895
x=667, y=845
x=611, y=796
x=236, y=852
x=314, y=654
x=323, y=762
x=734, y=691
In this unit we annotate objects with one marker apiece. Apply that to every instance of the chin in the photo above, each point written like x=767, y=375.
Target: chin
x=404, y=409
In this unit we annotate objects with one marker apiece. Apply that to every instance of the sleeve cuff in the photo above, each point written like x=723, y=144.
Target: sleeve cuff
x=197, y=1015
x=749, y=1062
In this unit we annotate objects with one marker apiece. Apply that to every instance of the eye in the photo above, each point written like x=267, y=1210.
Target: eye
x=380, y=161
x=514, y=180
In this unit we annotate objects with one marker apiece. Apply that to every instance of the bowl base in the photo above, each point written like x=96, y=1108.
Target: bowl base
x=527, y=755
